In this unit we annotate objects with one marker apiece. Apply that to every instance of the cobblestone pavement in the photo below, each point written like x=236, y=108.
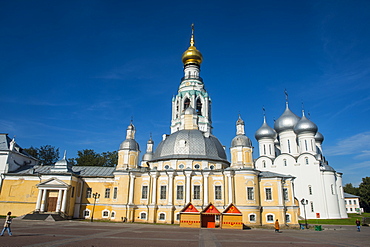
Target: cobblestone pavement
x=80, y=233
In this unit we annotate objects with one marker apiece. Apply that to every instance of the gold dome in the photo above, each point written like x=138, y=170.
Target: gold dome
x=192, y=55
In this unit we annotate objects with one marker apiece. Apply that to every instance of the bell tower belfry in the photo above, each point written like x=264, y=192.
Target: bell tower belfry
x=191, y=92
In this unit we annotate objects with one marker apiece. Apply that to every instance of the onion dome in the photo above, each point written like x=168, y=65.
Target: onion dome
x=241, y=141
x=190, y=144
x=305, y=126
x=265, y=132
x=319, y=137
x=192, y=55
x=129, y=144
x=286, y=121
x=149, y=152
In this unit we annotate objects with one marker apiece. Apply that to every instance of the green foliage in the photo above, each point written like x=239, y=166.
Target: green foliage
x=349, y=221
x=348, y=188
x=364, y=193
x=47, y=154
x=89, y=157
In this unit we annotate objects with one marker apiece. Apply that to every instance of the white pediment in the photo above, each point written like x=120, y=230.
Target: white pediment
x=53, y=183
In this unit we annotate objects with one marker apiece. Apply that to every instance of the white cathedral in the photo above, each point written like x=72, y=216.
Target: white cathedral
x=289, y=180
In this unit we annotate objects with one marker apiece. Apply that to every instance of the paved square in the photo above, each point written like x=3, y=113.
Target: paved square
x=82, y=233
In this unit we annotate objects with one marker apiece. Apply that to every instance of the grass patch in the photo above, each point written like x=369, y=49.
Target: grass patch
x=349, y=221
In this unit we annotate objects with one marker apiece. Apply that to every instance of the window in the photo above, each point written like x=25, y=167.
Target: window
x=217, y=217
x=212, y=167
x=163, y=192
x=270, y=218
x=218, y=192
x=289, y=146
x=350, y=209
x=285, y=194
x=270, y=149
x=197, y=166
x=196, y=194
x=105, y=214
x=107, y=193
x=199, y=107
x=268, y=194
x=86, y=213
x=180, y=192
x=113, y=214
x=305, y=144
x=88, y=192
x=264, y=149
x=306, y=161
x=354, y=202
x=350, y=202
x=73, y=192
x=287, y=218
x=285, y=164
x=252, y=218
x=144, y=192
x=310, y=189
x=143, y=216
x=186, y=104
x=312, y=209
x=250, y=193
x=115, y=191
x=332, y=189
x=162, y=216
x=345, y=202
x=177, y=216
x=181, y=166
x=166, y=167
x=264, y=164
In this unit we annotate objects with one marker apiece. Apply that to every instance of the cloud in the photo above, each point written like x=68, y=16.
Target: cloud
x=357, y=145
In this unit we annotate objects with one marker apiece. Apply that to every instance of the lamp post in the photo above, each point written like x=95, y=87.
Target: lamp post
x=96, y=195
x=304, y=203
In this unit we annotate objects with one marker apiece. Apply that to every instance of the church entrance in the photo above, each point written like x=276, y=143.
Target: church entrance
x=52, y=204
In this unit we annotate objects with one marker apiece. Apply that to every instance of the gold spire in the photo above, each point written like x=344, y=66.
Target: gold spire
x=192, y=55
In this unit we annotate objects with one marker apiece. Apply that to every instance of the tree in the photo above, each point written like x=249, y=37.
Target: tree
x=89, y=157
x=110, y=158
x=47, y=154
x=348, y=188
x=364, y=193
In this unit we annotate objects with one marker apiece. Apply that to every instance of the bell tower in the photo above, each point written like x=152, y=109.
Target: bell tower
x=191, y=92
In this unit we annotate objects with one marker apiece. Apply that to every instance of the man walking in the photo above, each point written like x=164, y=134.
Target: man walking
x=8, y=221
x=358, y=224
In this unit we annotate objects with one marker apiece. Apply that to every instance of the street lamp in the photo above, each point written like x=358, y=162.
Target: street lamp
x=304, y=203
x=96, y=195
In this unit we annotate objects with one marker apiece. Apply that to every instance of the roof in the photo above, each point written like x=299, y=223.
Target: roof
x=273, y=175
x=5, y=145
x=84, y=171
x=347, y=195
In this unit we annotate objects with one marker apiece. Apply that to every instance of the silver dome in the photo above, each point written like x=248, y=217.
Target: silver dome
x=305, y=126
x=286, y=121
x=319, y=137
x=129, y=144
x=190, y=144
x=241, y=141
x=147, y=156
x=265, y=132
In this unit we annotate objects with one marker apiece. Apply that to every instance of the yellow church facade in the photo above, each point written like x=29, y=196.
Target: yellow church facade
x=188, y=166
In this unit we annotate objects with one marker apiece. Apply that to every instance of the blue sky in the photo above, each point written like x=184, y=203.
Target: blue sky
x=73, y=73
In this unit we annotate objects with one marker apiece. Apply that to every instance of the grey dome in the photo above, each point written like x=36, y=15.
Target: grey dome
x=190, y=111
x=147, y=156
x=286, y=121
x=265, y=132
x=62, y=162
x=241, y=141
x=129, y=144
x=190, y=144
x=319, y=137
x=305, y=126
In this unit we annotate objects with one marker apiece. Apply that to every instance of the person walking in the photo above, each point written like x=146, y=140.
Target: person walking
x=277, y=226
x=8, y=221
x=358, y=224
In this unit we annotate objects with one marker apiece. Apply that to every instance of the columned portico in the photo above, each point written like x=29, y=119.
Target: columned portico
x=56, y=187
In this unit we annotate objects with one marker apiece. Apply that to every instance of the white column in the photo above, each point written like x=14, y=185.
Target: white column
x=64, y=201
x=205, y=189
x=132, y=184
x=38, y=202
x=43, y=200
x=154, y=189
x=170, y=188
x=188, y=184
x=230, y=189
x=59, y=200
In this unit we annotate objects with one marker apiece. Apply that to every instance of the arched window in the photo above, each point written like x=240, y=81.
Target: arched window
x=289, y=146
x=143, y=216
x=270, y=218
x=287, y=218
x=264, y=149
x=306, y=160
x=113, y=214
x=199, y=107
x=252, y=218
x=285, y=163
x=181, y=166
x=186, y=103
x=197, y=166
x=310, y=189
x=162, y=216
x=105, y=214
x=264, y=164
x=305, y=144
